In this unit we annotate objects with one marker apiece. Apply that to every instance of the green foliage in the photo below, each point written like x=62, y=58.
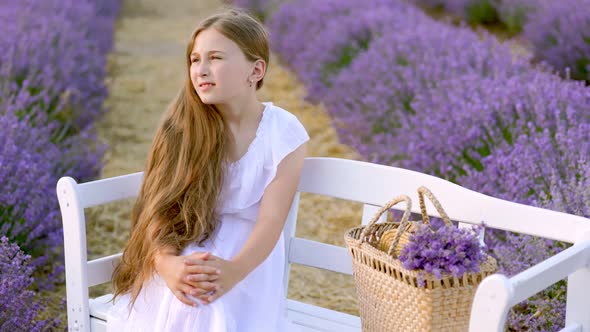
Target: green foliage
x=482, y=11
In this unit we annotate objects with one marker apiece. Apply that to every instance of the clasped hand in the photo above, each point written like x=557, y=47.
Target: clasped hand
x=201, y=275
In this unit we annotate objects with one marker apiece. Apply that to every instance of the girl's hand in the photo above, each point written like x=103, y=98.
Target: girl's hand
x=230, y=273
x=183, y=279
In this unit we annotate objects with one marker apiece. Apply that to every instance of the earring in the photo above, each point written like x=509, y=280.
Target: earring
x=250, y=83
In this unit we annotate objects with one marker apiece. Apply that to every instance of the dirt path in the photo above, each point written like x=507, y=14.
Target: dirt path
x=145, y=72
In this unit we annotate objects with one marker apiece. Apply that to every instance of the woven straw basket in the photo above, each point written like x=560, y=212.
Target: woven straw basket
x=389, y=296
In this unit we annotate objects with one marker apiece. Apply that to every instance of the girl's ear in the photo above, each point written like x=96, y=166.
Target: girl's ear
x=259, y=69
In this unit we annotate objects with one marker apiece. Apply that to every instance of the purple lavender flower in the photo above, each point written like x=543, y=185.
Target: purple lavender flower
x=18, y=305
x=447, y=250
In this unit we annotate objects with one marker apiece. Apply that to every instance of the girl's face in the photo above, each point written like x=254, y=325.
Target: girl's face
x=219, y=69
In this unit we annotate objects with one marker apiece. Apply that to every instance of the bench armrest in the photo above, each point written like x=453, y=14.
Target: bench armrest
x=497, y=293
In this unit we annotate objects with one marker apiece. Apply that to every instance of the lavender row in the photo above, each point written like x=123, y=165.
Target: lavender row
x=340, y=35
x=559, y=31
x=52, y=72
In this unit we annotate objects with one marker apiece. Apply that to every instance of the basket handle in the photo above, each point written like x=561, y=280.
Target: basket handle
x=403, y=227
x=387, y=206
x=423, y=191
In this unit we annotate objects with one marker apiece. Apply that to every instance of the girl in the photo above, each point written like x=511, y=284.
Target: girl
x=205, y=251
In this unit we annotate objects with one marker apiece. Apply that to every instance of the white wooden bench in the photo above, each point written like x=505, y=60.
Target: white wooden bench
x=372, y=185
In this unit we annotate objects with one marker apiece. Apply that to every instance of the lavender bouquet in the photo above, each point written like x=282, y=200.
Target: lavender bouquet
x=447, y=250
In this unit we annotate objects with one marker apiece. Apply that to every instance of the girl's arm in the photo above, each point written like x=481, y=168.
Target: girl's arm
x=273, y=212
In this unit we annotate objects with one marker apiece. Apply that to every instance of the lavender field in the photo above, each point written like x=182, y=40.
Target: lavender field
x=446, y=99
x=400, y=88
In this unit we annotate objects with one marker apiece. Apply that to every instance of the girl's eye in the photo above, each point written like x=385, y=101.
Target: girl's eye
x=215, y=57
x=194, y=60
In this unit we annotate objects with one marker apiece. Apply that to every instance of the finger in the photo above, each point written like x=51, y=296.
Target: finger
x=201, y=269
x=182, y=298
x=203, y=256
x=206, y=285
x=193, y=260
x=204, y=298
x=201, y=277
x=188, y=289
x=188, y=260
x=197, y=292
x=212, y=297
x=197, y=285
x=192, y=294
x=200, y=255
x=193, y=290
x=200, y=285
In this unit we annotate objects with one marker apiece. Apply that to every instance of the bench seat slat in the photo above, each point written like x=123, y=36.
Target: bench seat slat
x=100, y=305
x=317, y=318
x=97, y=325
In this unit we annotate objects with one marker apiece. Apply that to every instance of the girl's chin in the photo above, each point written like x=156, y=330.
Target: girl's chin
x=208, y=99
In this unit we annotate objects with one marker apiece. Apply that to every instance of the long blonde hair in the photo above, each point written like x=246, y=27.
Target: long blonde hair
x=185, y=167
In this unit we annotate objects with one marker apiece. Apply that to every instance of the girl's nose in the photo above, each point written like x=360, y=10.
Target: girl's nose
x=202, y=69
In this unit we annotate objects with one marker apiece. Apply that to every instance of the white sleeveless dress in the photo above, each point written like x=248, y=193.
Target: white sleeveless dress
x=257, y=303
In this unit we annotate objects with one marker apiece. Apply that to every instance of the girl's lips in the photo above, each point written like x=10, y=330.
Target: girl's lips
x=206, y=87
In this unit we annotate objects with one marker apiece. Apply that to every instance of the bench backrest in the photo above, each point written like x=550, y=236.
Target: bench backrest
x=367, y=183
